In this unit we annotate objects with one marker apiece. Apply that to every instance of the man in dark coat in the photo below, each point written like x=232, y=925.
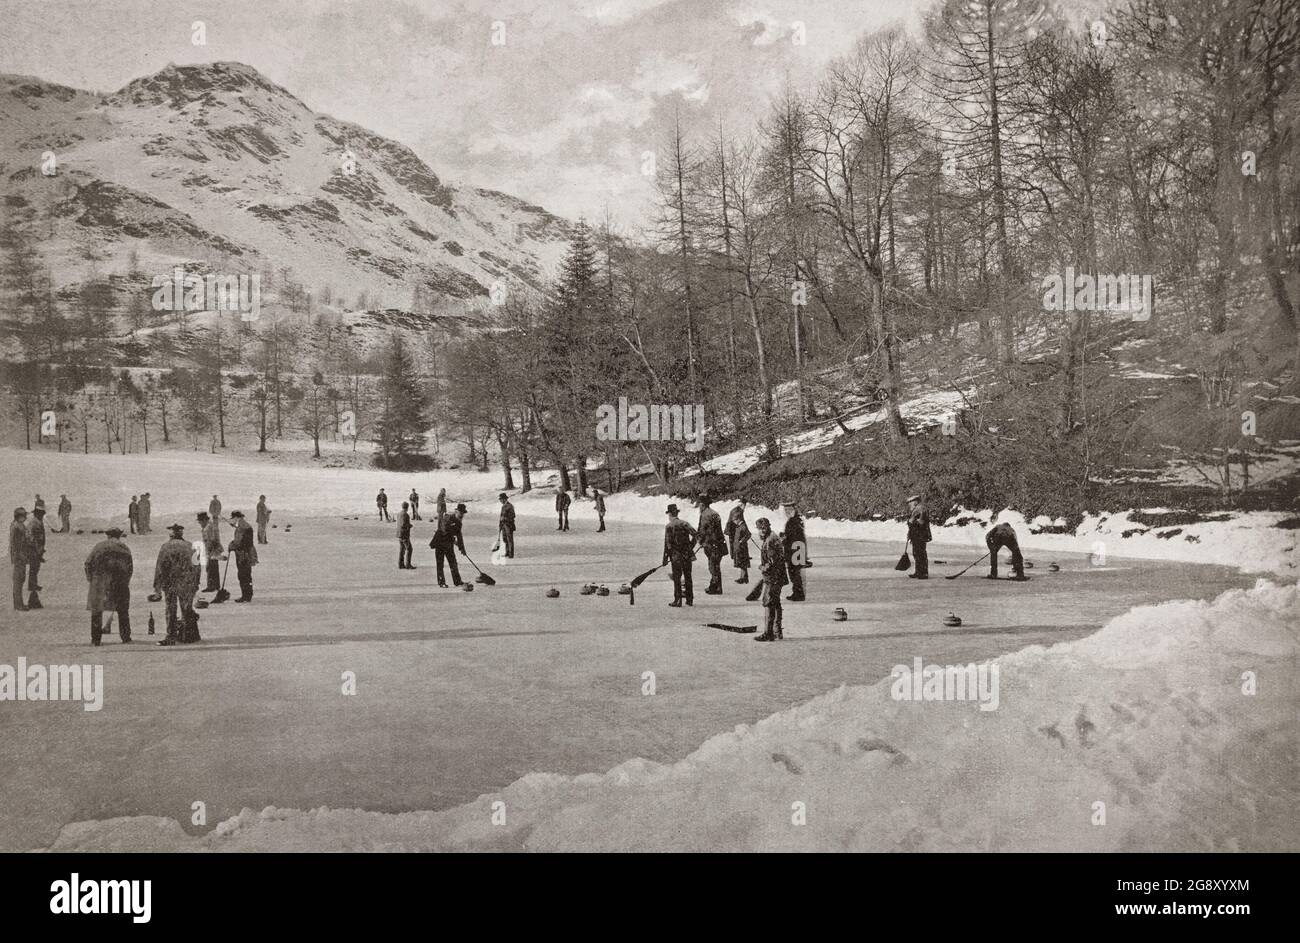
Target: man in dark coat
x=245, y=552
x=446, y=541
x=918, y=535
x=212, y=549
x=404, y=548
x=737, y=532
x=414, y=499
x=680, y=539
x=1004, y=535
x=713, y=543
x=19, y=555
x=381, y=502
x=772, y=571
x=562, y=502
x=108, y=570
x=506, y=523
x=144, y=512
x=440, y=503
x=176, y=576
x=214, y=508
x=35, y=556
x=263, y=518
x=65, y=515
x=600, y=508
x=133, y=516
x=796, y=551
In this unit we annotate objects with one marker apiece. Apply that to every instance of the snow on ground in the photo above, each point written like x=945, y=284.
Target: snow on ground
x=1140, y=737
x=929, y=408
x=466, y=694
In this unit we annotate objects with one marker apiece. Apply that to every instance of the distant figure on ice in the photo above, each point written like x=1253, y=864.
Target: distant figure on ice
x=176, y=576
x=1004, y=535
x=441, y=505
x=108, y=570
x=38, y=503
x=211, y=534
x=35, y=556
x=404, y=538
x=18, y=555
x=245, y=555
x=772, y=572
x=381, y=502
x=446, y=541
x=133, y=516
x=506, y=523
x=146, y=511
x=562, y=502
x=600, y=508
x=680, y=539
x=738, y=534
x=918, y=533
x=796, y=551
x=415, y=505
x=263, y=518
x=712, y=542
x=65, y=515
x=214, y=508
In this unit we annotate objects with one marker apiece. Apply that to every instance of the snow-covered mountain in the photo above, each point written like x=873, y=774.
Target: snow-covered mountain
x=216, y=164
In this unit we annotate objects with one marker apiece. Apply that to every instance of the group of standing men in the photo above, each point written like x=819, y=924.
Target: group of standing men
x=26, y=554
x=110, y=565
x=782, y=557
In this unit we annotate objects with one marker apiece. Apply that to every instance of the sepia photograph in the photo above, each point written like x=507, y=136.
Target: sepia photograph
x=705, y=365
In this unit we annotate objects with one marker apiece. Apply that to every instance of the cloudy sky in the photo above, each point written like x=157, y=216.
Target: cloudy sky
x=560, y=113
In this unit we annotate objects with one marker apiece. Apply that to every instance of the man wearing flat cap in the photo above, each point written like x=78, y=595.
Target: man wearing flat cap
x=35, y=555
x=108, y=570
x=245, y=551
x=680, y=539
x=176, y=576
x=18, y=555
x=506, y=524
x=445, y=541
x=712, y=542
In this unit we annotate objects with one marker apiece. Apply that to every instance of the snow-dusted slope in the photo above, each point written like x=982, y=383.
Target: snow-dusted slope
x=215, y=163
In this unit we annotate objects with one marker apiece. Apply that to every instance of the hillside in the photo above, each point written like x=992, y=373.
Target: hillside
x=216, y=168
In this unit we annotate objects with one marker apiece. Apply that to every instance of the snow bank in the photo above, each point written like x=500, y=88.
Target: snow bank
x=1251, y=541
x=1138, y=738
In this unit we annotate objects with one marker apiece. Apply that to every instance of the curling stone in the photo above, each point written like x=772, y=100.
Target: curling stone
x=951, y=619
x=199, y=604
x=552, y=593
x=839, y=615
x=154, y=597
x=467, y=587
x=1028, y=565
x=625, y=590
x=1053, y=568
x=587, y=589
x=603, y=591
x=286, y=527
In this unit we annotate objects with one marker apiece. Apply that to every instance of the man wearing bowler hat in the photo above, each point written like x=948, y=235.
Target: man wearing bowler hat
x=918, y=534
x=679, y=548
x=245, y=555
x=108, y=570
x=445, y=542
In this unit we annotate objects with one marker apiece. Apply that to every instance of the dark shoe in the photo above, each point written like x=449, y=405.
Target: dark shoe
x=169, y=640
x=126, y=641
x=244, y=599
x=442, y=585
x=916, y=576
x=21, y=608
x=713, y=592
x=743, y=580
x=95, y=642
x=690, y=602
x=675, y=604
x=1020, y=578
x=764, y=638
x=410, y=567
x=793, y=598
